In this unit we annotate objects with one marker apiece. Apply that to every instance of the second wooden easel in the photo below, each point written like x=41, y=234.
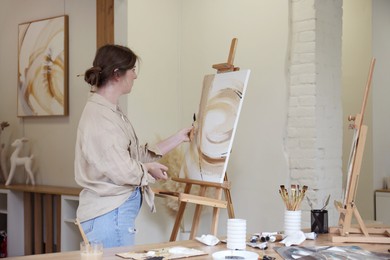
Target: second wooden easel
x=346, y=232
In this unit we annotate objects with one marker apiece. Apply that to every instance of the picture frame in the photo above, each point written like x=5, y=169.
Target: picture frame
x=42, y=88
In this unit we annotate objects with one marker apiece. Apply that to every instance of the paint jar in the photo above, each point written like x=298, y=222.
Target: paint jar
x=236, y=234
x=387, y=182
x=292, y=221
x=91, y=251
x=319, y=221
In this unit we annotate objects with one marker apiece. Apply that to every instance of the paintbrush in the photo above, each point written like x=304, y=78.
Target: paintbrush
x=85, y=239
x=294, y=200
x=326, y=203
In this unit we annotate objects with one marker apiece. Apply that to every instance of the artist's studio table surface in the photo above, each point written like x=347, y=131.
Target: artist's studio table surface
x=109, y=254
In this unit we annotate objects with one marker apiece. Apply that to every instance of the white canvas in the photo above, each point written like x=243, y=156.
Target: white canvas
x=216, y=122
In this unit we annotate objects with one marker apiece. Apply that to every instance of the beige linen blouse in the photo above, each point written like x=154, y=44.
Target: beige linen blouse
x=109, y=160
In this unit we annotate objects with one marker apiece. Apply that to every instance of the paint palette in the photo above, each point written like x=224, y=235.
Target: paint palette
x=235, y=254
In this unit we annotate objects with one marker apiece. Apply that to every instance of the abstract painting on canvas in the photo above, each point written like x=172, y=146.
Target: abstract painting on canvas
x=42, y=67
x=215, y=126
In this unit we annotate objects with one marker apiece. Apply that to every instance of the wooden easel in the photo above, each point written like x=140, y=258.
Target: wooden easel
x=201, y=199
x=228, y=66
x=348, y=209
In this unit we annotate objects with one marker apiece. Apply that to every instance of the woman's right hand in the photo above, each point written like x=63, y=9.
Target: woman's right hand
x=157, y=170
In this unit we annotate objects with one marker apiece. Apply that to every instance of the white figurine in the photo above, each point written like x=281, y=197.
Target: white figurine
x=16, y=161
x=3, y=161
x=3, y=167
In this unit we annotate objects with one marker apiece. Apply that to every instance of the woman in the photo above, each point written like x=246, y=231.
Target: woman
x=110, y=164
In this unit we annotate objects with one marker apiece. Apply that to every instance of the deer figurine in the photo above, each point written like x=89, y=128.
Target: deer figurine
x=3, y=167
x=16, y=161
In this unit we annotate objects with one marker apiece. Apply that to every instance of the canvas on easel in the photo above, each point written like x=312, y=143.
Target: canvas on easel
x=360, y=233
x=219, y=109
x=211, y=140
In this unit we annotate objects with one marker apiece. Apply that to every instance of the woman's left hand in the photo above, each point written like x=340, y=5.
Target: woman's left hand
x=157, y=170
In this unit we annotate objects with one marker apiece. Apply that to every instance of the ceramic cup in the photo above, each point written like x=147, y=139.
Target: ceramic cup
x=236, y=234
x=92, y=251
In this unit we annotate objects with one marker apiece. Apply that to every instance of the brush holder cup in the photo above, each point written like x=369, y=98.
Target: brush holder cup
x=319, y=221
x=292, y=221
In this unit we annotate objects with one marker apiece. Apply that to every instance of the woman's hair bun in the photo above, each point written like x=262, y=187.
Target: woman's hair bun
x=92, y=75
x=110, y=58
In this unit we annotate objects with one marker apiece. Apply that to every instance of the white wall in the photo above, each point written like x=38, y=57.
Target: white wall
x=381, y=91
x=178, y=42
x=153, y=105
x=257, y=164
x=314, y=140
x=52, y=138
x=356, y=58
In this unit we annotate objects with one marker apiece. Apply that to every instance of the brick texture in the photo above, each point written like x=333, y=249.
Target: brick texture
x=314, y=119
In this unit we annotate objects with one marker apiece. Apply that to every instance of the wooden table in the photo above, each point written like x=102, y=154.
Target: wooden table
x=109, y=254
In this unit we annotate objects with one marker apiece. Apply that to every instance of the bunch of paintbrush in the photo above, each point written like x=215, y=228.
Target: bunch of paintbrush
x=293, y=199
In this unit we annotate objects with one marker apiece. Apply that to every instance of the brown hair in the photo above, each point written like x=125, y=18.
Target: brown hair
x=110, y=60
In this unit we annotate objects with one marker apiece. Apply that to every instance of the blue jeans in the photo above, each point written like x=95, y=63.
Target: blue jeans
x=117, y=227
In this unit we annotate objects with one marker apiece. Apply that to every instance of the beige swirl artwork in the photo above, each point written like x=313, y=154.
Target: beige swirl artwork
x=215, y=126
x=42, y=68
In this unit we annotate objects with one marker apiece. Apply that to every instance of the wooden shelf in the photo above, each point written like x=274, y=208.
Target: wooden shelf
x=383, y=190
x=70, y=220
x=37, y=215
x=45, y=189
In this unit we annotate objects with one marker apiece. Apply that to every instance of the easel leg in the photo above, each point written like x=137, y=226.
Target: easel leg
x=360, y=221
x=216, y=211
x=229, y=201
x=180, y=214
x=198, y=210
x=347, y=221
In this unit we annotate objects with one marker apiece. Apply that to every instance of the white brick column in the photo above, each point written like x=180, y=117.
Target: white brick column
x=314, y=123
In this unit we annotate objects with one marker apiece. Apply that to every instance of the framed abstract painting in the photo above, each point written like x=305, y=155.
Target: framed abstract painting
x=43, y=68
x=214, y=128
